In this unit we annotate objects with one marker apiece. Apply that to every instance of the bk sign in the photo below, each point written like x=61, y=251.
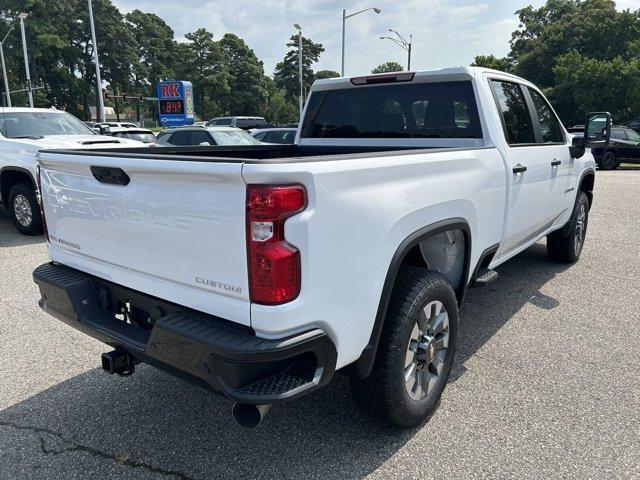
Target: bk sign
x=175, y=103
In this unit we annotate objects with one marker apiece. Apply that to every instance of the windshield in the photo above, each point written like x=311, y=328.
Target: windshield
x=34, y=124
x=633, y=136
x=233, y=138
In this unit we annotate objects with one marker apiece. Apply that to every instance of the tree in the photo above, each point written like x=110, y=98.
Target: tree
x=321, y=74
x=563, y=37
x=503, y=64
x=247, y=91
x=388, y=67
x=204, y=63
x=286, y=74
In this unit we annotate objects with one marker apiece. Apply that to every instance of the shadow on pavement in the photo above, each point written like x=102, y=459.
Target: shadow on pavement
x=9, y=236
x=165, y=425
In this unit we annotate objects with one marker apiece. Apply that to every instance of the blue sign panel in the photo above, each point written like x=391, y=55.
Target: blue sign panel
x=175, y=103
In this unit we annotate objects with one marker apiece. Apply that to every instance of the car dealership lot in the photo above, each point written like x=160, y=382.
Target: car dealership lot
x=545, y=384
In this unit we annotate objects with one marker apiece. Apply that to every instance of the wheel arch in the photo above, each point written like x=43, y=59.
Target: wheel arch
x=408, y=253
x=10, y=176
x=586, y=185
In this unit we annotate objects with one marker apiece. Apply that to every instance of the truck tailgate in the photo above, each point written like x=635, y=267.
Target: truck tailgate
x=176, y=230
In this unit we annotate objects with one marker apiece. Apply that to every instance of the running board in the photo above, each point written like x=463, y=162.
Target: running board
x=485, y=276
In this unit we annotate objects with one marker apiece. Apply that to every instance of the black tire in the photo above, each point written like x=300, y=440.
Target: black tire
x=27, y=219
x=385, y=394
x=565, y=245
x=609, y=161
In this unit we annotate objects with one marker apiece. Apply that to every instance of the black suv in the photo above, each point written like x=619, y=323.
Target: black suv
x=624, y=146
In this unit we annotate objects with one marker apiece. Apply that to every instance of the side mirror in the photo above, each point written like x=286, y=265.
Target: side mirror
x=597, y=131
x=104, y=130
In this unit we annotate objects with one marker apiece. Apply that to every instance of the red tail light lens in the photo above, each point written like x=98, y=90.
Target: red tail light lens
x=274, y=264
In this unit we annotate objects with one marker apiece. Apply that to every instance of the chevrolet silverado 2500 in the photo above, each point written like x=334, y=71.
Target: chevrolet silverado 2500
x=260, y=271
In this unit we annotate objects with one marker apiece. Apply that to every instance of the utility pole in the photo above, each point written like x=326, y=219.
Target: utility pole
x=100, y=112
x=4, y=69
x=22, y=16
x=344, y=21
x=300, y=72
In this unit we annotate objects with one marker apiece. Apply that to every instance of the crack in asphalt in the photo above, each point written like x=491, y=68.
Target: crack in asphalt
x=76, y=447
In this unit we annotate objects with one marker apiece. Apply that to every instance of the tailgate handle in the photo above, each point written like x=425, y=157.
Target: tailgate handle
x=110, y=175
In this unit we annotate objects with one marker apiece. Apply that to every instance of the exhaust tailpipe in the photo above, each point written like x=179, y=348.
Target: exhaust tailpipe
x=249, y=416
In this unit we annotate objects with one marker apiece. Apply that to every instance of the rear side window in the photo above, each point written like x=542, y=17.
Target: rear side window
x=420, y=110
x=618, y=134
x=512, y=105
x=180, y=138
x=549, y=125
x=201, y=137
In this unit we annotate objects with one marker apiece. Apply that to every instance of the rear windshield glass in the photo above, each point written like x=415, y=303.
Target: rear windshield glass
x=421, y=110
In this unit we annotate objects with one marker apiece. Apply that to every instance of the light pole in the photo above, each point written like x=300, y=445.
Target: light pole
x=344, y=20
x=402, y=43
x=100, y=112
x=22, y=16
x=299, y=28
x=4, y=68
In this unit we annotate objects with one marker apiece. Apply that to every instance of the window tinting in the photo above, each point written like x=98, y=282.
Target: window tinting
x=420, y=110
x=180, y=138
x=201, y=137
x=618, y=134
x=549, y=126
x=514, y=112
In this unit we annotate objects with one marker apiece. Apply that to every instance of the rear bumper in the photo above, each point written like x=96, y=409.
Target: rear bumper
x=201, y=348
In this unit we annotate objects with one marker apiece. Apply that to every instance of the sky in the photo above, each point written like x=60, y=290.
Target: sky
x=445, y=32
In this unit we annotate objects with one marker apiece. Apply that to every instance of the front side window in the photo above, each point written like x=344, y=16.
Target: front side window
x=549, y=125
x=513, y=108
x=419, y=110
x=618, y=134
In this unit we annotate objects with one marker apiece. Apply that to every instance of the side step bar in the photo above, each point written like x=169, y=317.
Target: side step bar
x=485, y=276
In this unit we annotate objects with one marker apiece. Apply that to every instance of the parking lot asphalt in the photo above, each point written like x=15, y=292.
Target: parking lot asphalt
x=545, y=385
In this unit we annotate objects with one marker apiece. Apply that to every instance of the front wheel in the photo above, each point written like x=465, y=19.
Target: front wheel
x=415, y=352
x=566, y=246
x=24, y=209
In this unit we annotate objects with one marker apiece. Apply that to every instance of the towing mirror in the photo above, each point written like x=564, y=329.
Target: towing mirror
x=104, y=129
x=597, y=130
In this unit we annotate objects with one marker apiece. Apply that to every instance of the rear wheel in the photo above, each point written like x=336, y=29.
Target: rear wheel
x=416, y=350
x=609, y=161
x=566, y=245
x=24, y=209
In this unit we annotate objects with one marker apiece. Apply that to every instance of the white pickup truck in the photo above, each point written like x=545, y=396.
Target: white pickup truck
x=25, y=131
x=260, y=271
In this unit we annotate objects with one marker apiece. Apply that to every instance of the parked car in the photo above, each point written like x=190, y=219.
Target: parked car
x=186, y=136
x=25, y=131
x=274, y=135
x=633, y=125
x=245, y=123
x=624, y=147
x=260, y=272
x=134, y=133
x=200, y=124
x=576, y=129
x=123, y=125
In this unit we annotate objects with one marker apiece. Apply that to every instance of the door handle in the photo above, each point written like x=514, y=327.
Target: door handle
x=555, y=162
x=519, y=168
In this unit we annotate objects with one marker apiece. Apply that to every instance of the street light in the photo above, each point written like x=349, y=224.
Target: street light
x=4, y=68
x=22, y=16
x=299, y=28
x=100, y=112
x=402, y=43
x=344, y=19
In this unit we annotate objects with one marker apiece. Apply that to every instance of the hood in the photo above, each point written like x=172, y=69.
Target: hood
x=76, y=141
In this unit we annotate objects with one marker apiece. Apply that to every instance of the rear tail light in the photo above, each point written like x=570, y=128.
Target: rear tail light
x=274, y=264
x=40, y=199
x=383, y=78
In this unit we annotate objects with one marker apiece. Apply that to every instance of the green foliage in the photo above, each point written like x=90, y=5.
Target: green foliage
x=388, y=67
x=503, y=64
x=320, y=74
x=287, y=76
x=584, y=53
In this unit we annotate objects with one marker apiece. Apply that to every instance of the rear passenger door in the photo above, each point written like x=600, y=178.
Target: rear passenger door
x=533, y=206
